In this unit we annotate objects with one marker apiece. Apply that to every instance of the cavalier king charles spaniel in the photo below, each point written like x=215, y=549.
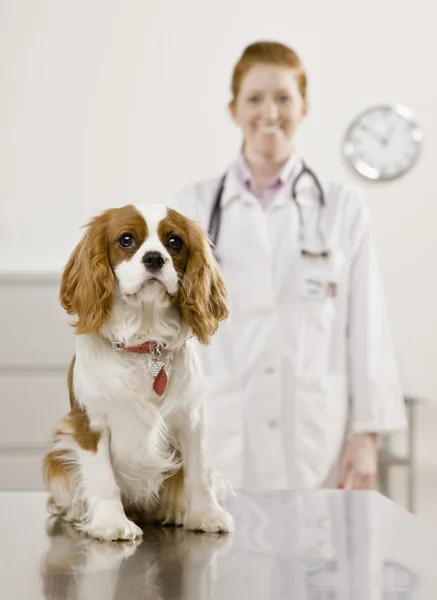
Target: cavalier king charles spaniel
x=142, y=284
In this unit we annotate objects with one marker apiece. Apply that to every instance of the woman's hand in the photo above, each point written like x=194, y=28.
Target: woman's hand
x=359, y=462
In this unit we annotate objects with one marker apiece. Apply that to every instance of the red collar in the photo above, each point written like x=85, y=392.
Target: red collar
x=155, y=366
x=144, y=348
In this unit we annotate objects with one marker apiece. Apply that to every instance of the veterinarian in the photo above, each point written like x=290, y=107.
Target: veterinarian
x=301, y=379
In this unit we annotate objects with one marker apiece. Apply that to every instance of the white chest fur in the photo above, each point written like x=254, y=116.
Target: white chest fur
x=116, y=390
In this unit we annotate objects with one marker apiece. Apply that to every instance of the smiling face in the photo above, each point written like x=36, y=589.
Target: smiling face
x=269, y=108
x=144, y=254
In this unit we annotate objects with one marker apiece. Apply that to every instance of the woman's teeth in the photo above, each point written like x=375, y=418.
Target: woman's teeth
x=269, y=128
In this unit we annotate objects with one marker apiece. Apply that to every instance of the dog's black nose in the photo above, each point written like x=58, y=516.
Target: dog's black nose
x=153, y=261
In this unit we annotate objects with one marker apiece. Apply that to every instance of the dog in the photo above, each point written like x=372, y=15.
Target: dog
x=142, y=285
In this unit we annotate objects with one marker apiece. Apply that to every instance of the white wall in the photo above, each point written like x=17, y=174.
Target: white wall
x=106, y=102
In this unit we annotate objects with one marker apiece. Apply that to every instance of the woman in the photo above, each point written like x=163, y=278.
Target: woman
x=301, y=379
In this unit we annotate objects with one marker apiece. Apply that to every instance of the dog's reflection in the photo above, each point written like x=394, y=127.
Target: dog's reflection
x=166, y=563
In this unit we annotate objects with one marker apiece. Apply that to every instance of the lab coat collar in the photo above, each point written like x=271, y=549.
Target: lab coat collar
x=306, y=192
x=233, y=188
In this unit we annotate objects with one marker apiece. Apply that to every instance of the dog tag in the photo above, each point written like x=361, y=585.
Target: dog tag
x=160, y=383
x=155, y=367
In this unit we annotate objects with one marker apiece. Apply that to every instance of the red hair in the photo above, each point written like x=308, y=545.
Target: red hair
x=268, y=53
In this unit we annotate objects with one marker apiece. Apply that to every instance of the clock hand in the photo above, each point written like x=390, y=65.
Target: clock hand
x=373, y=133
x=387, y=137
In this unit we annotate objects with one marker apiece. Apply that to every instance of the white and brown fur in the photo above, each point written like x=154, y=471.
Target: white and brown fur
x=123, y=451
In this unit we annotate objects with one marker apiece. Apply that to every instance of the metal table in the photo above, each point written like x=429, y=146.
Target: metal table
x=325, y=545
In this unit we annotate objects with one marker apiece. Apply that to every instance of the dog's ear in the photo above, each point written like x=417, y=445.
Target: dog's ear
x=203, y=298
x=88, y=283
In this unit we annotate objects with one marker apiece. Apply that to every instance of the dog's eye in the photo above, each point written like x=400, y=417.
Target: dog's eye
x=175, y=242
x=127, y=240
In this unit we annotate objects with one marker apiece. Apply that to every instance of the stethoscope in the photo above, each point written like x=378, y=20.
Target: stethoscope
x=216, y=215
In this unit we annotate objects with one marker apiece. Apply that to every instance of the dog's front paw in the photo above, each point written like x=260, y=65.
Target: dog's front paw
x=113, y=530
x=212, y=520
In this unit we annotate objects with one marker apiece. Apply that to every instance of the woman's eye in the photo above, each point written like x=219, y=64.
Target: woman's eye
x=284, y=99
x=127, y=240
x=175, y=242
x=254, y=99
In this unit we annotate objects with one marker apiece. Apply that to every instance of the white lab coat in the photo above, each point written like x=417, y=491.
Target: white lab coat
x=295, y=368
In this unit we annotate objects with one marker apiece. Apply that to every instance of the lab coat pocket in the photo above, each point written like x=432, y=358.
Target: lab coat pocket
x=315, y=312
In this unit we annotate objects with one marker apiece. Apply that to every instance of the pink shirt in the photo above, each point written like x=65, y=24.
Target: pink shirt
x=266, y=195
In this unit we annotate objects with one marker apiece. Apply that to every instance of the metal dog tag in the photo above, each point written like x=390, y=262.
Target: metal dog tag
x=155, y=365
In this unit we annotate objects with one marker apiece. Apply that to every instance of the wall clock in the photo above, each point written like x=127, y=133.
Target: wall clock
x=383, y=142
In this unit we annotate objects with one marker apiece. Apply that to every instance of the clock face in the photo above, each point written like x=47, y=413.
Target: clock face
x=384, y=142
